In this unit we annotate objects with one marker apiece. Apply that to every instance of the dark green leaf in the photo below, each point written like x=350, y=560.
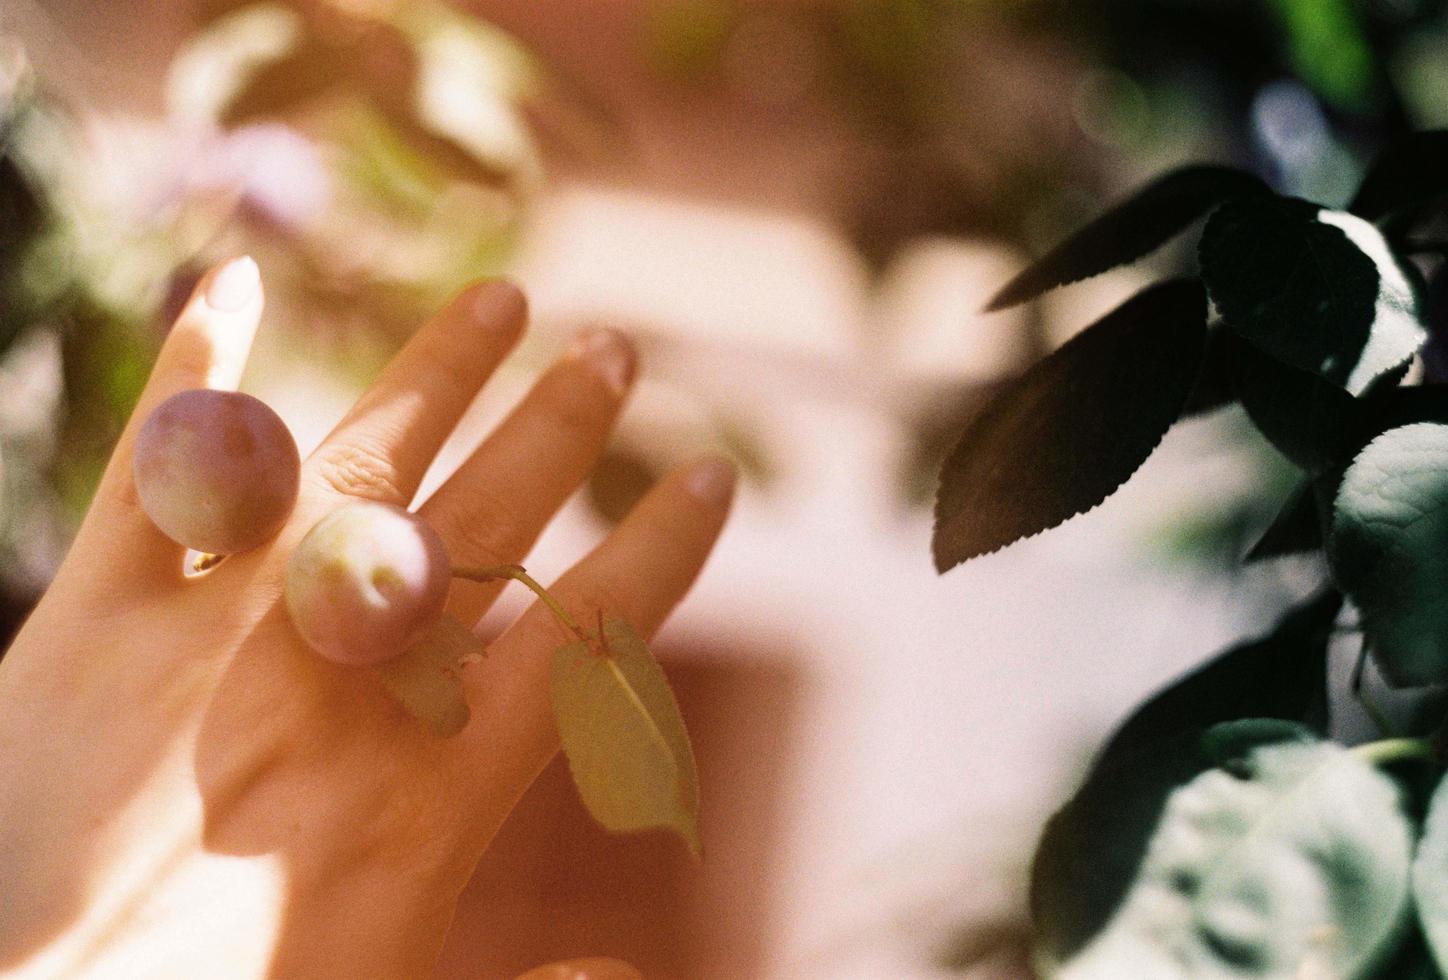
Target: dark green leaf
x=1062, y=437
x=1092, y=848
x=425, y=679
x=1393, y=407
x=1138, y=225
x=1430, y=876
x=1308, y=419
x=1411, y=961
x=1281, y=675
x=1214, y=387
x=1411, y=172
x=1385, y=407
x=1296, y=528
x=1289, y=860
x=1227, y=743
x=1317, y=290
x=1389, y=549
x=624, y=737
x=1316, y=424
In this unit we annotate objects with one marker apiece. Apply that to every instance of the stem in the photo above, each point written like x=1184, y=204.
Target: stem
x=518, y=574
x=1425, y=246
x=1375, y=714
x=1390, y=750
x=204, y=562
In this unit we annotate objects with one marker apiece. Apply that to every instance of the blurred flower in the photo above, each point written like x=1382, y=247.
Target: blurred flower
x=272, y=171
x=374, y=156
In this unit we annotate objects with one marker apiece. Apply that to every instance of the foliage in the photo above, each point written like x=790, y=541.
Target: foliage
x=1282, y=856
x=1222, y=832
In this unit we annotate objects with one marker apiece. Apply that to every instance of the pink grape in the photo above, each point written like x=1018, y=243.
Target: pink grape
x=366, y=582
x=216, y=471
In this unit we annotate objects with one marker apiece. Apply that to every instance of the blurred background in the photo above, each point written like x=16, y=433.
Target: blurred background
x=798, y=207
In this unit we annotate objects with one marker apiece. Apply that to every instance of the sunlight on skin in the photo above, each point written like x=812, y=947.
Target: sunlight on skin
x=231, y=906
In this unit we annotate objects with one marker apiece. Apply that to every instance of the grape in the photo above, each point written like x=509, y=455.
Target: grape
x=366, y=582
x=216, y=471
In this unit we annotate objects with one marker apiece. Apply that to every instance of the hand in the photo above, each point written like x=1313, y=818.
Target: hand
x=187, y=790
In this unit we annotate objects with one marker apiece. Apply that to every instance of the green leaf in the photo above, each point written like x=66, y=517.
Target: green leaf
x=1297, y=528
x=1392, y=407
x=1214, y=387
x=1307, y=419
x=1140, y=224
x=1289, y=860
x=1430, y=876
x=1063, y=436
x=623, y=735
x=1318, y=290
x=1329, y=50
x=1411, y=172
x=1093, y=846
x=1227, y=743
x=425, y=680
x=1316, y=424
x=1412, y=961
x=1389, y=549
x=1282, y=675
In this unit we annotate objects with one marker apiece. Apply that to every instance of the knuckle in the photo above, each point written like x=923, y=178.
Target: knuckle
x=189, y=360
x=359, y=470
x=482, y=534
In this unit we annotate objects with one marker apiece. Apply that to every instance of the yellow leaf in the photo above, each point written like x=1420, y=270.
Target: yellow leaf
x=623, y=735
x=425, y=678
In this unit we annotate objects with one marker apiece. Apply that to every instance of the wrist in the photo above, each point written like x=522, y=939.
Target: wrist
x=230, y=917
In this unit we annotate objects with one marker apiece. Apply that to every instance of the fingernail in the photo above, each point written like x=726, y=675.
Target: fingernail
x=608, y=354
x=499, y=304
x=589, y=969
x=711, y=480
x=233, y=285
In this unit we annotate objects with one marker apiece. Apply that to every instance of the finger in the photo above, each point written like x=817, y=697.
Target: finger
x=382, y=447
x=497, y=503
x=639, y=573
x=594, y=968
x=206, y=348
